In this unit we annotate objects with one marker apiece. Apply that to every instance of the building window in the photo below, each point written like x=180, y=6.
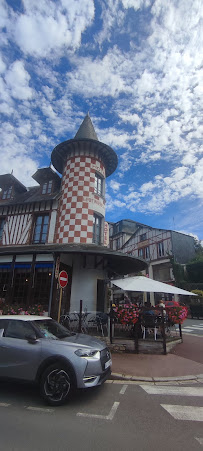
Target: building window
x=98, y=185
x=97, y=222
x=143, y=237
x=7, y=193
x=147, y=255
x=140, y=252
x=41, y=229
x=2, y=222
x=161, y=249
x=47, y=187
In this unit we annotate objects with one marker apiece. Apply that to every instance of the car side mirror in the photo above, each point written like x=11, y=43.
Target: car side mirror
x=31, y=338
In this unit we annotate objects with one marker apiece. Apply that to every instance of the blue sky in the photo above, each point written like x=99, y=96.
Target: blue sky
x=136, y=66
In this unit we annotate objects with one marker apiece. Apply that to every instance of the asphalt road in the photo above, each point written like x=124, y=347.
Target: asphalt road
x=193, y=327
x=120, y=416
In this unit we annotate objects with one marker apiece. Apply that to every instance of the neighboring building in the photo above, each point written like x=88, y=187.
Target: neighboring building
x=155, y=246
x=120, y=232
x=60, y=224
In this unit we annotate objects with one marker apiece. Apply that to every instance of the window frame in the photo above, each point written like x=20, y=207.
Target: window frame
x=47, y=187
x=42, y=225
x=99, y=180
x=160, y=249
x=7, y=192
x=96, y=227
x=2, y=224
x=143, y=236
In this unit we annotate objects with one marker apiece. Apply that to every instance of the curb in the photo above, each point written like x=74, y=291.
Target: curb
x=127, y=377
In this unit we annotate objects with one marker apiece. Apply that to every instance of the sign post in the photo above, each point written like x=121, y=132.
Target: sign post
x=63, y=280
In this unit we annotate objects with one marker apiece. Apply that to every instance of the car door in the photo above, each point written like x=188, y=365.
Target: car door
x=19, y=358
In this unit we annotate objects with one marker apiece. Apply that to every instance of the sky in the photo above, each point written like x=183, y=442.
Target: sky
x=136, y=66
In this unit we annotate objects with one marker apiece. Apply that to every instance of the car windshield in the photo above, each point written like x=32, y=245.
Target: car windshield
x=51, y=329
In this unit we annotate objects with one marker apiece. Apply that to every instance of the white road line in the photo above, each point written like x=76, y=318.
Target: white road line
x=187, y=330
x=186, y=413
x=39, y=409
x=200, y=440
x=123, y=389
x=168, y=390
x=194, y=327
x=4, y=404
x=110, y=416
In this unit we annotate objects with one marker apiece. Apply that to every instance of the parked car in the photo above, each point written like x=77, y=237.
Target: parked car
x=38, y=349
x=171, y=304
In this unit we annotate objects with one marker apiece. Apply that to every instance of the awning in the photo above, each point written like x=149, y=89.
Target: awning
x=141, y=283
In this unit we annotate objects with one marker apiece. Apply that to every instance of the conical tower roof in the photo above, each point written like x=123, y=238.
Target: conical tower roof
x=85, y=140
x=86, y=130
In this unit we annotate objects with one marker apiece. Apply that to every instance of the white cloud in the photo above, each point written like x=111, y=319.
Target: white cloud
x=115, y=186
x=17, y=80
x=136, y=4
x=51, y=28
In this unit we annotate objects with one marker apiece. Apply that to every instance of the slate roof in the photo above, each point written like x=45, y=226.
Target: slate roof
x=33, y=194
x=85, y=140
x=9, y=180
x=86, y=130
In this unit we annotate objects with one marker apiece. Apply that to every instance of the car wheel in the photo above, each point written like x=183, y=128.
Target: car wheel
x=56, y=384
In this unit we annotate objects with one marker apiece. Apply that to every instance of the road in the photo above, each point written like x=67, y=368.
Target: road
x=118, y=415
x=193, y=327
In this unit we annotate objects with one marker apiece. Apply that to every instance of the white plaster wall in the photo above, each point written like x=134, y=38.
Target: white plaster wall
x=52, y=226
x=84, y=286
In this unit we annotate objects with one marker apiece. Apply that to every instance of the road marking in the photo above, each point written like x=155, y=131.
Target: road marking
x=200, y=440
x=123, y=389
x=186, y=413
x=110, y=416
x=39, y=409
x=177, y=391
x=187, y=330
x=4, y=404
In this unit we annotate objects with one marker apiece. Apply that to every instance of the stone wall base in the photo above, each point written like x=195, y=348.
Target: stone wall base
x=145, y=346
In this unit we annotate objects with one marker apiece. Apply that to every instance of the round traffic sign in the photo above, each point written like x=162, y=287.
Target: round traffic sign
x=63, y=279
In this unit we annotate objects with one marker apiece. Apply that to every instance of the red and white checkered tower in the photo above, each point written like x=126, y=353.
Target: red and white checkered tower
x=84, y=163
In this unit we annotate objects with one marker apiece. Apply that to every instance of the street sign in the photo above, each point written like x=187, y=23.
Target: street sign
x=63, y=279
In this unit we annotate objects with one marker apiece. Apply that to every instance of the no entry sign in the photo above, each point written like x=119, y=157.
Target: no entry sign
x=63, y=279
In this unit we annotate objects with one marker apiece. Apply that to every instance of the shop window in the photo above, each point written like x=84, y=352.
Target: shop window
x=7, y=193
x=2, y=222
x=97, y=222
x=42, y=286
x=98, y=185
x=21, y=284
x=160, y=249
x=47, y=187
x=41, y=229
x=4, y=280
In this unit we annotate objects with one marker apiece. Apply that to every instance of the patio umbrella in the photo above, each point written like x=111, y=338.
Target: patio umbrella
x=141, y=283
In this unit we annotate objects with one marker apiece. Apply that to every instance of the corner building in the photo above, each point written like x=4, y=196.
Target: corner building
x=64, y=228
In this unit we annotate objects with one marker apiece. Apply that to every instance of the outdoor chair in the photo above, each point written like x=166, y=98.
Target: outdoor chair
x=148, y=323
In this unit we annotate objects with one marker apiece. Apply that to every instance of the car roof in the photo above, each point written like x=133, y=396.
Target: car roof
x=25, y=317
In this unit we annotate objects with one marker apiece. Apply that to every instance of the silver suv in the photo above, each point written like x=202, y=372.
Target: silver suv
x=38, y=349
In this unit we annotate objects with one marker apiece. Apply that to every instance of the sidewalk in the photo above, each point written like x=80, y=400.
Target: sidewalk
x=185, y=362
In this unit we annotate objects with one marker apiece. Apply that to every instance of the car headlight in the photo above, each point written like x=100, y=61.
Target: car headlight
x=88, y=354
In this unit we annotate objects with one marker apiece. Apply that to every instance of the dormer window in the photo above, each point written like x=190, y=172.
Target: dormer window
x=47, y=187
x=7, y=193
